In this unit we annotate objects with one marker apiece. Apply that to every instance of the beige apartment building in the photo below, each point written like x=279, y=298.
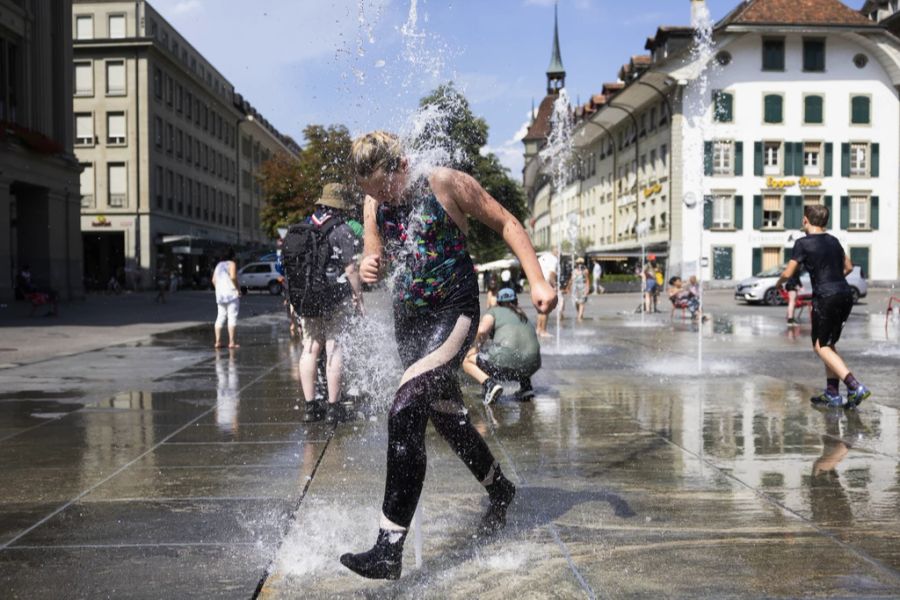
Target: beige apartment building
x=158, y=133
x=38, y=173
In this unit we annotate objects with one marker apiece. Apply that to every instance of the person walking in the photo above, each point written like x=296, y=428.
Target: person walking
x=228, y=298
x=324, y=286
x=597, y=274
x=420, y=224
x=822, y=255
x=506, y=349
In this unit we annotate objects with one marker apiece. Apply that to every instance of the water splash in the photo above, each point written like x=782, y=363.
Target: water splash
x=558, y=153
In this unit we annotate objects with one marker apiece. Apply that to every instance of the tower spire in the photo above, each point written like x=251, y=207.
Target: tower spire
x=556, y=73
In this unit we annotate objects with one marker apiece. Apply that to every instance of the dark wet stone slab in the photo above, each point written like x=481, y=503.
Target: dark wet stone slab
x=275, y=454
x=169, y=521
x=209, y=571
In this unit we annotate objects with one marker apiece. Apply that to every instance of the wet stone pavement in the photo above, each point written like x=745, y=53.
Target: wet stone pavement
x=165, y=469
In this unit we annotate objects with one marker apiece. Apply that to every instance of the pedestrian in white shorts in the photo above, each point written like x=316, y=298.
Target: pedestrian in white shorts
x=228, y=299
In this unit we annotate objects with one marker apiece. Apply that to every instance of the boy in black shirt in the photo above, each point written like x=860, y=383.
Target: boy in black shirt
x=822, y=255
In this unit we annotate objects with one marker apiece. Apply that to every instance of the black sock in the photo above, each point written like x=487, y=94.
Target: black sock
x=832, y=386
x=851, y=382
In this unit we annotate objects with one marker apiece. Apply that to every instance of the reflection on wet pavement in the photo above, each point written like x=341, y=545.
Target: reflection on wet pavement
x=636, y=475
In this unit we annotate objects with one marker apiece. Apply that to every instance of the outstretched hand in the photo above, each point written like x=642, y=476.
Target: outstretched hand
x=544, y=297
x=370, y=268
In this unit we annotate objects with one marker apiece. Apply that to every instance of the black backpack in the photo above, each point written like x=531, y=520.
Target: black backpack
x=311, y=271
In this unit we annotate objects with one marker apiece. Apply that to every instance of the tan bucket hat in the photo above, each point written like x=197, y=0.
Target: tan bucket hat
x=333, y=196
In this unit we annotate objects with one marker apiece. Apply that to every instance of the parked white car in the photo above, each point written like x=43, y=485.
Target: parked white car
x=761, y=288
x=260, y=276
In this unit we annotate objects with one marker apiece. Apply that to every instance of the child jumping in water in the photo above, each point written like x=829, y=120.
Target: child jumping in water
x=824, y=258
x=420, y=225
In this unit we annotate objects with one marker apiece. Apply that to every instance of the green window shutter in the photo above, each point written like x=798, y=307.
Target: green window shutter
x=845, y=212
x=873, y=212
x=757, y=212
x=829, y=159
x=813, y=112
x=757, y=260
x=860, y=258
x=738, y=212
x=758, y=159
x=796, y=212
x=738, y=159
x=793, y=159
x=707, y=212
x=788, y=252
x=813, y=55
x=788, y=212
x=707, y=158
x=860, y=110
x=829, y=202
x=874, y=170
x=773, y=108
x=845, y=160
x=773, y=55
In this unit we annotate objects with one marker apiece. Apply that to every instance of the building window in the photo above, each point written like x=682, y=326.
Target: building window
x=188, y=149
x=87, y=185
x=723, y=212
x=773, y=54
x=179, y=97
x=664, y=155
x=812, y=200
x=179, y=144
x=10, y=80
x=84, y=27
x=115, y=78
x=84, y=79
x=723, y=107
x=170, y=190
x=188, y=105
x=860, y=110
x=115, y=129
x=772, y=158
x=773, y=108
x=773, y=212
x=859, y=212
x=158, y=132
x=170, y=138
x=812, y=158
x=84, y=129
x=180, y=196
x=118, y=185
x=814, y=55
x=157, y=83
x=245, y=180
x=723, y=158
x=159, y=187
x=771, y=257
x=859, y=160
x=117, y=27
x=170, y=87
x=813, y=110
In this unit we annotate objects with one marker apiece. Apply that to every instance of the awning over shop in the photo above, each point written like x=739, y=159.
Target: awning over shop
x=614, y=256
x=497, y=265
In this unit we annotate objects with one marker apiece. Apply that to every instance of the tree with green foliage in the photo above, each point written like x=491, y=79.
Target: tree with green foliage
x=292, y=185
x=463, y=135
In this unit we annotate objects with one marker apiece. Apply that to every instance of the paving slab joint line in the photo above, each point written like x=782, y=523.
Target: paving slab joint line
x=261, y=584
x=553, y=529
x=121, y=469
x=861, y=554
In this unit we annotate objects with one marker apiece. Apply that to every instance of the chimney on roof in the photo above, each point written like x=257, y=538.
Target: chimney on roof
x=556, y=73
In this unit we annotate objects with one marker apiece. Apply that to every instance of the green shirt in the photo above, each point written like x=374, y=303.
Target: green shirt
x=515, y=344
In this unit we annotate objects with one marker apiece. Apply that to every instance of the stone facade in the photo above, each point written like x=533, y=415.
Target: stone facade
x=39, y=192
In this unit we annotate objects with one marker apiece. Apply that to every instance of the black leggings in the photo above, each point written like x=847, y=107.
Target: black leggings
x=432, y=349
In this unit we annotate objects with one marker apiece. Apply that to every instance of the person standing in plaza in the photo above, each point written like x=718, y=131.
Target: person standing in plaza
x=323, y=283
x=549, y=263
x=506, y=349
x=579, y=287
x=228, y=298
x=420, y=224
x=596, y=275
x=822, y=255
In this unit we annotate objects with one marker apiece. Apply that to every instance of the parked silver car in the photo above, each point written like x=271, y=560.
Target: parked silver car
x=260, y=276
x=761, y=288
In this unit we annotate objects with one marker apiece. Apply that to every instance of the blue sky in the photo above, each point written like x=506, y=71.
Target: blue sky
x=366, y=63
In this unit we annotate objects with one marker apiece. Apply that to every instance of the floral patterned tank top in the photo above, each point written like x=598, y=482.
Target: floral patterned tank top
x=431, y=268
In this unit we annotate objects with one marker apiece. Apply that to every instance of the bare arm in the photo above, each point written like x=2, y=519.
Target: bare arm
x=788, y=272
x=468, y=197
x=373, y=247
x=485, y=329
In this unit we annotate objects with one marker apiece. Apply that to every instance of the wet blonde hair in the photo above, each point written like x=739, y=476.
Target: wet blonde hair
x=376, y=150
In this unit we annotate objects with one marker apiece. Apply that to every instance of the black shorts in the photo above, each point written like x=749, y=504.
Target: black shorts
x=828, y=317
x=502, y=373
x=792, y=285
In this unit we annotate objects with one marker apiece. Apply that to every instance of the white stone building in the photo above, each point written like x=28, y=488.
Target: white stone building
x=158, y=135
x=802, y=106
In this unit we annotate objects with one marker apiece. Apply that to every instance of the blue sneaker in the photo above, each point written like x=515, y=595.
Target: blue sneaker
x=855, y=397
x=827, y=399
